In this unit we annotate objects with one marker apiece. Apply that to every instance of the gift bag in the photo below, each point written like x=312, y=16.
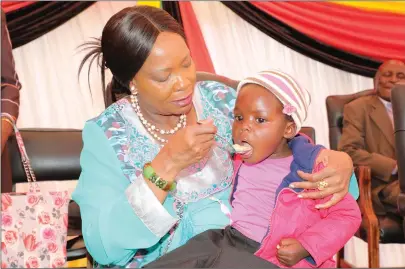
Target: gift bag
x=33, y=224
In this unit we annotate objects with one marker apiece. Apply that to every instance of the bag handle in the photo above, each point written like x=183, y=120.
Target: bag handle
x=23, y=153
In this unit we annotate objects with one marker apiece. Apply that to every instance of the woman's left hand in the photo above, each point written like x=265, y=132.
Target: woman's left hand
x=333, y=180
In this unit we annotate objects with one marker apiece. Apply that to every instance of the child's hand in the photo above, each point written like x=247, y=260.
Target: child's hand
x=290, y=252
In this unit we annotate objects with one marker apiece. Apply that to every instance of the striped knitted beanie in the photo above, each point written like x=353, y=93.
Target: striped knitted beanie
x=294, y=98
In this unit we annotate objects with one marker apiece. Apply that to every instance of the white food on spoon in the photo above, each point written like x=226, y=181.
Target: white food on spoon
x=241, y=148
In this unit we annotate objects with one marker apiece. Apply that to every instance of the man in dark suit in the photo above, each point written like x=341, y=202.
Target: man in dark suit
x=368, y=136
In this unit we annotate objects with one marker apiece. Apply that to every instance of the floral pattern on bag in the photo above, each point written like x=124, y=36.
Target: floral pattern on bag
x=34, y=230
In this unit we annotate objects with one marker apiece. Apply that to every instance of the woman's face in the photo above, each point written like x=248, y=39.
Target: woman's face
x=165, y=83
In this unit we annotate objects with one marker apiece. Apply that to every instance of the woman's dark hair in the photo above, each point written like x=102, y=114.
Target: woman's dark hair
x=126, y=42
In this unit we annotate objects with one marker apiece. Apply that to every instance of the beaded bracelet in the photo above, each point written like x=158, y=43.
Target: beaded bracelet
x=150, y=174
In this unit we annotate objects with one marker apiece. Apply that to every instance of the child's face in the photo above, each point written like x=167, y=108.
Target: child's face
x=260, y=122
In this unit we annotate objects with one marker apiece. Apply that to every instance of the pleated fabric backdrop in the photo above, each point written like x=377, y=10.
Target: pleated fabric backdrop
x=53, y=97
x=238, y=49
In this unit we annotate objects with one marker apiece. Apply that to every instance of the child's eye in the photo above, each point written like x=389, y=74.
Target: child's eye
x=260, y=120
x=238, y=118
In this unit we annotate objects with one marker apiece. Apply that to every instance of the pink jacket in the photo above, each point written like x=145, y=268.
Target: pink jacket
x=322, y=232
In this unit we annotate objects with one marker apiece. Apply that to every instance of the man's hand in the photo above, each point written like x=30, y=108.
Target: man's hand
x=6, y=131
x=290, y=252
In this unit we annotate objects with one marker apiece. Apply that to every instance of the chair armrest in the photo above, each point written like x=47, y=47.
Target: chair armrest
x=363, y=174
x=370, y=220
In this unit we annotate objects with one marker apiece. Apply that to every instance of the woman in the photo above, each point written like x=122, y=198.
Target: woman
x=132, y=210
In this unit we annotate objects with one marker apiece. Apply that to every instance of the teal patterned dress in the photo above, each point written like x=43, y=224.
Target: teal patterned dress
x=124, y=224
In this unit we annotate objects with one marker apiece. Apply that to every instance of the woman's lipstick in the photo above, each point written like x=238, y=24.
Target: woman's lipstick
x=184, y=101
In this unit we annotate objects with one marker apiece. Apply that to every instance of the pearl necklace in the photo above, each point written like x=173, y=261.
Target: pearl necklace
x=152, y=129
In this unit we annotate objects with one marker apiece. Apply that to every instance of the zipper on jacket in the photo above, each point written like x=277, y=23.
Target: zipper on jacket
x=268, y=233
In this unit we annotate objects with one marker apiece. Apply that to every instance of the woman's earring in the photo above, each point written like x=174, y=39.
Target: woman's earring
x=133, y=91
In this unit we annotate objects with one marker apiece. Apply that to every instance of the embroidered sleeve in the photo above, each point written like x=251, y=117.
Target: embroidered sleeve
x=148, y=208
x=133, y=149
x=111, y=228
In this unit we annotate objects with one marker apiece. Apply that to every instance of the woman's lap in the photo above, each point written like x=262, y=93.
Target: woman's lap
x=225, y=248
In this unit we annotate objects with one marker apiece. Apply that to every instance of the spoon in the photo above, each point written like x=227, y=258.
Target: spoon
x=228, y=146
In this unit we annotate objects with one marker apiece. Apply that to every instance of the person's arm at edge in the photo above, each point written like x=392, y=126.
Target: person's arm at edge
x=10, y=86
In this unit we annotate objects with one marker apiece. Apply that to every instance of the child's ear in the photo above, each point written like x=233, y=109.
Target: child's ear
x=290, y=130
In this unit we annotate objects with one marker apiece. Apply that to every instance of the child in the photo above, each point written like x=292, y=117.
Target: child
x=268, y=218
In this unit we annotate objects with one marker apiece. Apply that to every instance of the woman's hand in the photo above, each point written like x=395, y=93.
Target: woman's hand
x=189, y=145
x=333, y=180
